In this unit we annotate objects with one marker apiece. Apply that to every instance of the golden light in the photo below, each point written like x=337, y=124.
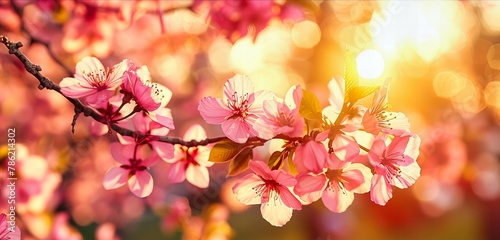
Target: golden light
x=370, y=64
x=306, y=34
x=492, y=94
x=245, y=56
x=448, y=84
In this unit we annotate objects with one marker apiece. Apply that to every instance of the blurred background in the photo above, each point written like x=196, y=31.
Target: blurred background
x=443, y=58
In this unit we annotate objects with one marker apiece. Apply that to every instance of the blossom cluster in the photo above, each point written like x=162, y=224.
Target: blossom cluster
x=124, y=95
x=330, y=153
x=322, y=148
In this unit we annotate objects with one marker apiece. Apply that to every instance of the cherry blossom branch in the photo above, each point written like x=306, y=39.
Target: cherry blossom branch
x=45, y=82
x=32, y=39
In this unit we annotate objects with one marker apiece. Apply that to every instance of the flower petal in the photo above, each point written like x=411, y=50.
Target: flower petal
x=236, y=129
x=197, y=175
x=261, y=169
x=376, y=152
x=164, y=150
x=276, y=212
x=337, y=200
x=357, y=177
x=115, y=177
x=380, y=190
x=213, y=110
x=122, y=153
x=288, y=198
x=141, y=184
x=245, y=189
x=176, y=172
x=409, y=174
x=310, y=187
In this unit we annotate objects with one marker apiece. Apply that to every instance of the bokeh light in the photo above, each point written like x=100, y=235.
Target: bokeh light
x=370, y=64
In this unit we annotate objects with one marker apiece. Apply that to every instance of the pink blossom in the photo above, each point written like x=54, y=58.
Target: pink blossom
x=145, y=125
x=310, y=157
x=335, y=186
x=132, y=171
x=270, y=188
x=377, y=119
x=394, y=165
x=159, y=96
x=92, y=81
x=8, y=229
x=343, y=146
x=233, y=18
x=281, y=117
x=238, y=110
x=191, y=163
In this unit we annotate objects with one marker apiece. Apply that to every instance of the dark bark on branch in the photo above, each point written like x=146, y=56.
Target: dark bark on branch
x=87, y=111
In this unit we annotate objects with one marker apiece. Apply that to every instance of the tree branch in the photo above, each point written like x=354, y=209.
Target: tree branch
x=87, y=111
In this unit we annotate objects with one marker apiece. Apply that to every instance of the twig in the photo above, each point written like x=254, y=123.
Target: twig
x=87, y=111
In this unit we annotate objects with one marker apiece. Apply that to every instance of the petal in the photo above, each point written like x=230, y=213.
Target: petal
x=380, y=190
x=337, y=200
x=236, y=129
x=75, y=88
x=358, y=178
x=345, y=148
x=176, y=172
x=197, y=175
x=398, y=145
x=276, y=212
x=195, y=132
x=259, y=98
x=202, y=155
x=213, y=110
x=150, y=160
x=239, y=84
x=413, y=148
x=141, y=184
x=164, y=150
x=88, y=65
x=293, y=97
x=115, y=177
x=163, y=116
x=370, y=123
x=310, y=157
x=122, y=153
x=115, y=77
x=376, y=152
x=100, y=97
x=288, y=198
x=283, y=178
x=310, y=187
x=336, y=99
x=245, y=189
x=409, y=174
x=261, y=169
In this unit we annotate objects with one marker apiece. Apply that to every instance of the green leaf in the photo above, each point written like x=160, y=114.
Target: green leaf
x=224, y=151
x=310, y=107
x=351, y=76
x=359, y=92
x=275, y=160
x=240, y=162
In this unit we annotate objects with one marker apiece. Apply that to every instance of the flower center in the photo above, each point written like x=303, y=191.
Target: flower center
x=239, y=105
x=335, y=181
x=392, y=163
x=135, y=166
x=98, y=79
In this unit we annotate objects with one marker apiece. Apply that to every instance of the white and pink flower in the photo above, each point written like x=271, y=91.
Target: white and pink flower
x=395, y=165
x=282, y=117
x=93, y=81
x=335, y=186
x=270, y=189
x=190, y=163
x=132, y=171
x=238, y=110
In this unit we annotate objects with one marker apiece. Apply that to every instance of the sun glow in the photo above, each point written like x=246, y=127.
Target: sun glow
x=370, y=64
